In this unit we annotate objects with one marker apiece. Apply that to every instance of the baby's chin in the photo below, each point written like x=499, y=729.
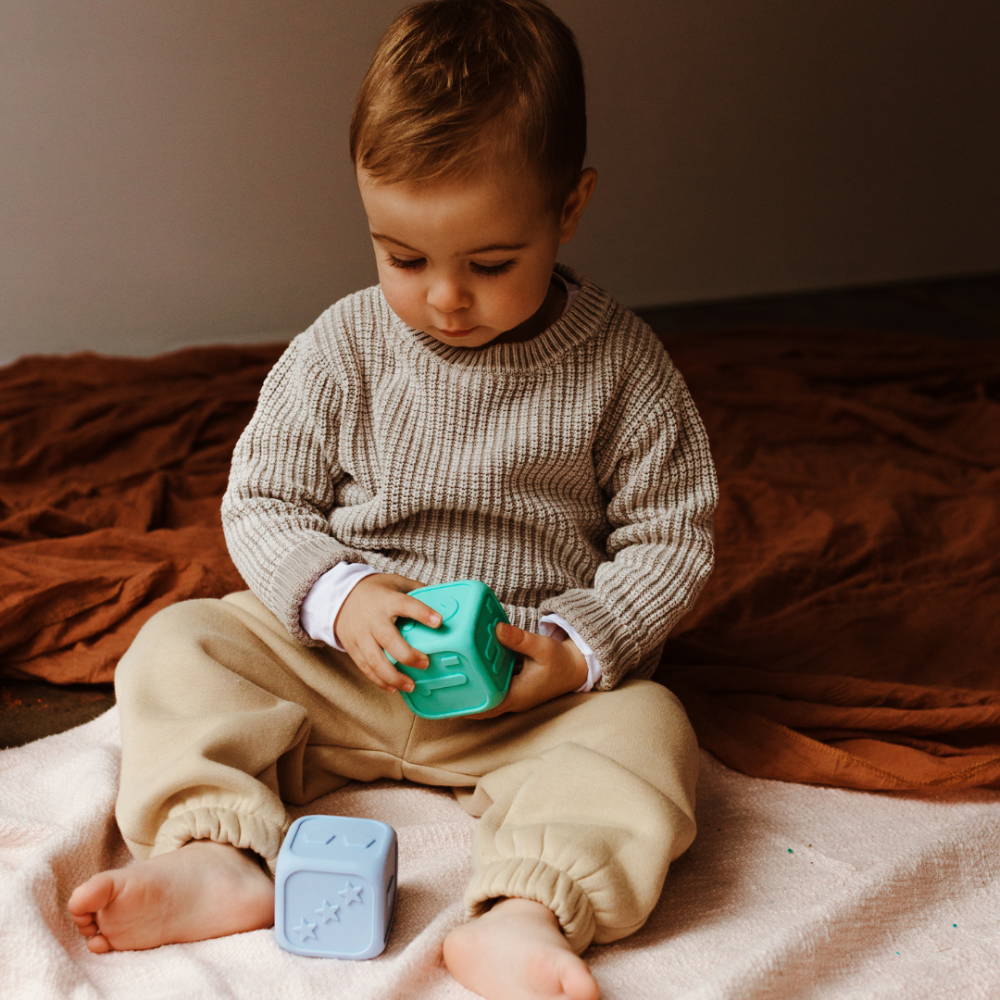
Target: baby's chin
x=479, y=336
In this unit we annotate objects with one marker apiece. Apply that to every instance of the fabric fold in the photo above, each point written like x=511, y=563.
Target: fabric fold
x=848, y=635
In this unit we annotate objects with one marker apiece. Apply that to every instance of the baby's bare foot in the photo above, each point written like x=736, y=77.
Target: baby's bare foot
x=203, y=890
x=516, y=951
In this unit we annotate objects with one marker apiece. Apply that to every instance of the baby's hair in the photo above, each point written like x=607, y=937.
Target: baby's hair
x=459, y=86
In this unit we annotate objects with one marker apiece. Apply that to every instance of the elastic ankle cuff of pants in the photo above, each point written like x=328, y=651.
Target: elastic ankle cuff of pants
x=224, y=826
x=528, y=878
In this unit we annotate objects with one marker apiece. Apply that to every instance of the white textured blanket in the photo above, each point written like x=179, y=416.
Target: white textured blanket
x=788, y=892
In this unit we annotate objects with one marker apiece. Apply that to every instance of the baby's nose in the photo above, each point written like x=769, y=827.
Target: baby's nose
x=448, y=296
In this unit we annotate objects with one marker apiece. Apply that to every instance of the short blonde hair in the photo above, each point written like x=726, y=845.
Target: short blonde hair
x=458, y=84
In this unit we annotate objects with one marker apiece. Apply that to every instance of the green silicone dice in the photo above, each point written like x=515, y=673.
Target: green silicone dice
x=469, y=670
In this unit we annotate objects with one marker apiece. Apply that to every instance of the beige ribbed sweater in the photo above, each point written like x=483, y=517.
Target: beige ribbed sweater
x=570, y=472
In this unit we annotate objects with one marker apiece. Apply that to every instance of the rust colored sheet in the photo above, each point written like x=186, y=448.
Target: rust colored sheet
x=111, y=473
x=849, y=635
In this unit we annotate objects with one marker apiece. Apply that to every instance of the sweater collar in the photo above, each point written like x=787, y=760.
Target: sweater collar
x=579, y=323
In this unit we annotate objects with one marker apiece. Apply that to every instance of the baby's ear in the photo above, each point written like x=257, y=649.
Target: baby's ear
x=576, y=202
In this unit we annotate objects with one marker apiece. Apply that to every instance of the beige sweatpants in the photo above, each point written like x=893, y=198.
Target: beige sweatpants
x=584, y=800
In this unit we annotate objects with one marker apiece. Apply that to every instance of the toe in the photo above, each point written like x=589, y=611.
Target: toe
x=578, y=983
x=93, y=895
x=99, y=944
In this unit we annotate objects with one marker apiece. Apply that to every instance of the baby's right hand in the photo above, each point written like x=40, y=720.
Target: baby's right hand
x=366, y=628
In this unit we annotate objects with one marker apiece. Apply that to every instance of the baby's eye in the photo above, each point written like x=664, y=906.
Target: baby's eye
x=405, y=263
x=491, y=270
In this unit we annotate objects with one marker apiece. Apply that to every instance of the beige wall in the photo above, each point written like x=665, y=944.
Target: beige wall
x=174, y=171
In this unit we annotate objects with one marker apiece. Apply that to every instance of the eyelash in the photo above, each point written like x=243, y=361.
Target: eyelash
x=492, y=271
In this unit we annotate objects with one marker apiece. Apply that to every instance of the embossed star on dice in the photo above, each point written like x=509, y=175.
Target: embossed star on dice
x=335, y=887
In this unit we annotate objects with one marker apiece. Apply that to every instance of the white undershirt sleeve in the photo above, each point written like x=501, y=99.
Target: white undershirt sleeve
x=549, y=624
x=323, y=602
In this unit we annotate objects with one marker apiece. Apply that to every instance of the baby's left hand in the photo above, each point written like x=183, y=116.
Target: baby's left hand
x=551, y=668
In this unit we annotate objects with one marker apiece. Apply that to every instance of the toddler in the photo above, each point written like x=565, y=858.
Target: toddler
x=482, y=413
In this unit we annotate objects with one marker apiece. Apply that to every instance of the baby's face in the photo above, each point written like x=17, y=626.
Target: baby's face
x=464, y=260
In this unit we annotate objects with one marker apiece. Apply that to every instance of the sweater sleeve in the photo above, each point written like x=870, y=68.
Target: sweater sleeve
x=655, y=466
x=275, y=512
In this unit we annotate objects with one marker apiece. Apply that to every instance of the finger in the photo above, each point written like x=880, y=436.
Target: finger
x=397, y=647
x=526, y=687
x=385, y=674
x=374, y=677
x=533, y=646
x=520, y=694
x=354, y=651
x=500, y=709
x=361, y=662
x=511, y=703
x=410, y=607
x=402, y=583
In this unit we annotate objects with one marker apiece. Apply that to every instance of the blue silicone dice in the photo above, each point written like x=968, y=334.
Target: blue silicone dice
x=469, y=670
x=335, y=887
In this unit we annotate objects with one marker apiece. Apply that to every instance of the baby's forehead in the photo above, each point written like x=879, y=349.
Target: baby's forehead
x=515, y=176
x=477, y=213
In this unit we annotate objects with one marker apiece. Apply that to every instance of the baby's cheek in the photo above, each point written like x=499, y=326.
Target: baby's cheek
x=405, y=299
x=520, y=300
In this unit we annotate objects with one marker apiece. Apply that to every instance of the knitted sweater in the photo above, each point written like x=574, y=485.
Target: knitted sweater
x=570, y=472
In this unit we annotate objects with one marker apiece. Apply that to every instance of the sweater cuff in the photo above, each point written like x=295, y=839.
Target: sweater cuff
x=548, y=625
x=324, y=601
x=295, y=575
x=612, y=643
